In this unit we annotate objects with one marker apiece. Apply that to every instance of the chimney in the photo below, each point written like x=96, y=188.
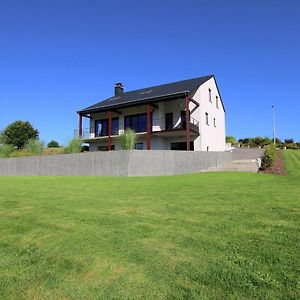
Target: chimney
x=119, y=89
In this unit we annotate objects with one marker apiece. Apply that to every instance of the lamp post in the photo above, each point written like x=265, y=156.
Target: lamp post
x=273, y=123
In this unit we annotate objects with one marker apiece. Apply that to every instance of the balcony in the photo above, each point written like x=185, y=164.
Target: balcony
x=160, y=126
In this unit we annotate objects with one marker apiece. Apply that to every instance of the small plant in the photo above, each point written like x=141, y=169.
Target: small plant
x=268, y=157
x=127, y=139
x=74, y=146
x=6, y=150
x=34, y=146
x=53, y=144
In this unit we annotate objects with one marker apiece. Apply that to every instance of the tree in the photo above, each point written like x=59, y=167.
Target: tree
x=19, y=133
x=53, y=144
x=230, y=139
x=289, y=141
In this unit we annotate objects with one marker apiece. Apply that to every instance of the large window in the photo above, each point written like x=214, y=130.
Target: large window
x=101, y=127
x=115, y=126
x=138, y=123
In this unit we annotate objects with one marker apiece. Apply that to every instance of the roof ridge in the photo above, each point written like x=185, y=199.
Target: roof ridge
x=173, y=82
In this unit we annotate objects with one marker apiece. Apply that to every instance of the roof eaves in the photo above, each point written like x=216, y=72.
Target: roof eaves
x=130, y=103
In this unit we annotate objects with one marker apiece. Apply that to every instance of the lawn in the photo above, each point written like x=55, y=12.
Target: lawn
x=199, y=236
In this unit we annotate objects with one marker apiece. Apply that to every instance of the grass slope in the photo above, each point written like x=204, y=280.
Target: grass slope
x=212, y=236
x=292, y=162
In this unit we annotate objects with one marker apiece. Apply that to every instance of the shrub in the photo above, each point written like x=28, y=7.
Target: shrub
x=74, y=146
x=291, y=146
x=53, y=144
x=18, y=134
x=34, y=146
x=6, y=150
x=127, y=139
x=268, y=157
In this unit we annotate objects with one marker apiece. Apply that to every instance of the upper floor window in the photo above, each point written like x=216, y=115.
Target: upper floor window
x=138, y=122
x=206, y=118
x=209, y=95
x=101, y=127
x=217, y=101
x=215, y=122
x=115, y=126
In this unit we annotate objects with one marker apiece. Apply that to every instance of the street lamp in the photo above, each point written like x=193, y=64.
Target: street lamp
x=273, y=122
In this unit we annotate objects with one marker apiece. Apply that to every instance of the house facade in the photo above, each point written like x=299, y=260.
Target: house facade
x=184, y=115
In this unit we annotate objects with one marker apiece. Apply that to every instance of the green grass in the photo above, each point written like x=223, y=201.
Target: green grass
x=200, y=236
x=292, y=161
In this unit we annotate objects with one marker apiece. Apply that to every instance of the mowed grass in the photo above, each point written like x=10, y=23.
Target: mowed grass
x=199, y=236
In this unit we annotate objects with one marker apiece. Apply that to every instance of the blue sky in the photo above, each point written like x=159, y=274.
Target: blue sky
x=59, y=56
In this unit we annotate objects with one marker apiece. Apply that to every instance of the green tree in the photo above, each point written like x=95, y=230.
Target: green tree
x=53, y=144
x=230, y=139
x=19, y=133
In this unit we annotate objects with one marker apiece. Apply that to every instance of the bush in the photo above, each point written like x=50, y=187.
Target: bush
x=34, y=146
x=18, y=134
x=268, y=157
x=53, y=144
x=74, y=146
x=6, y=150
x=291, y=146
x=127, y=139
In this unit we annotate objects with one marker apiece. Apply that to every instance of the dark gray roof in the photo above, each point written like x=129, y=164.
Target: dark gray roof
x=154, y=93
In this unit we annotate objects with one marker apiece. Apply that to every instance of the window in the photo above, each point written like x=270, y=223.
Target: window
x=101, y=127
x=138, y=123
x=181, y=146
x=105, y=148
x=215, y=122
x=115, y=126
x=168, y=121
x=209, y=95
x=206, y=118
x=139, y=146
x=217, y=101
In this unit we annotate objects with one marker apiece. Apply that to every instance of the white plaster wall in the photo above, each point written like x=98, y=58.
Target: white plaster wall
x=211, y=136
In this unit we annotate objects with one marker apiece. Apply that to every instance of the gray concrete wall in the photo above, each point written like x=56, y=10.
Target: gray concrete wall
x=114, y=163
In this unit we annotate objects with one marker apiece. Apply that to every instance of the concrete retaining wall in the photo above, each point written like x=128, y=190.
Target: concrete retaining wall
x=114, y=163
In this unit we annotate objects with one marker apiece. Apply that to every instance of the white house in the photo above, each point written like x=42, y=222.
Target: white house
x=183, y=115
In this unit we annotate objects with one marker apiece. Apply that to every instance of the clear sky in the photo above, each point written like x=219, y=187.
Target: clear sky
x=59, y=56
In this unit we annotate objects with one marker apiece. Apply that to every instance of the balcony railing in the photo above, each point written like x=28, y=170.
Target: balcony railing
x=158, y=125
